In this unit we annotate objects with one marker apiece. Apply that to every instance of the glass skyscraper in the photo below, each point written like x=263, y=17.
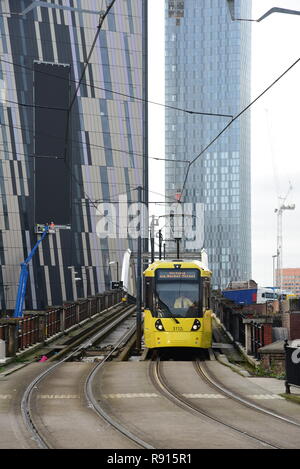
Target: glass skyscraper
x=52, y=161
x=208, y=70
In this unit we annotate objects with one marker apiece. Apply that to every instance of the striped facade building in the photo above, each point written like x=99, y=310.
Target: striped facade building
x=62, y=152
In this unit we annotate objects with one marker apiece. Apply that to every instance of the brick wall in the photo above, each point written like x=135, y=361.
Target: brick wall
x=273, y=361
x=268, y=339
x=263, y=309
x=291, y=320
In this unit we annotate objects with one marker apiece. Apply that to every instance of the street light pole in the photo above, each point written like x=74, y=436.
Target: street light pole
x=152, y=238
x=274, y=281
x=230, y=4
x=139, y=277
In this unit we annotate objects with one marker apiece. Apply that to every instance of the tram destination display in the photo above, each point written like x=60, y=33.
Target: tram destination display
x=177, y=274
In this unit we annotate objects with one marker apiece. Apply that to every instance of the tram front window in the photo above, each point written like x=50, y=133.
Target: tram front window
x=177, y=299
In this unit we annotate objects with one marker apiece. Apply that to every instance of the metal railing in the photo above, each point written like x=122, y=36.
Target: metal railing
x=257, y=338
x=37, y=326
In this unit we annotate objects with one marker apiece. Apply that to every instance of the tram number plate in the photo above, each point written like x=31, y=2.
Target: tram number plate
x=177, y=329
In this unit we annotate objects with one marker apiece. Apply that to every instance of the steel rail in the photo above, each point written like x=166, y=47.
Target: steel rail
x=213, y=382
x=164, y=388
x=96, y=406
x=101, y=321
x=26, y=399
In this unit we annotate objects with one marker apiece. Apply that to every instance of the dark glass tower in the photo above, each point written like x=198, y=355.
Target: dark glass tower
x=208, y=70
x=48, y=170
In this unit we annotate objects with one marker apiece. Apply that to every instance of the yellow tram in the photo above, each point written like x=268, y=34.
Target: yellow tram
x=177, y=305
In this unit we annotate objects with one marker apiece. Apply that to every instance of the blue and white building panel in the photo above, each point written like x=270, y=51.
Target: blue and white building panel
x=106, y=151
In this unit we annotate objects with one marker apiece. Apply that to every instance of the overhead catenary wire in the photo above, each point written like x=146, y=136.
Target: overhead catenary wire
x=75, y=97
x=136, y=98
x=131, y=97
x=233, y=120
x=102, y=17
x=130, y=190
x=101, y=20
x=66, y=140
x=88, y=144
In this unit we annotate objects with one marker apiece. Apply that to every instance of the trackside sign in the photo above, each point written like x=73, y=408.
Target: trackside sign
x=292, y=364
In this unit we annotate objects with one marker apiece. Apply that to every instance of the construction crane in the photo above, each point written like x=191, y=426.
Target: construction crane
x=44, y=230
x=279, y=212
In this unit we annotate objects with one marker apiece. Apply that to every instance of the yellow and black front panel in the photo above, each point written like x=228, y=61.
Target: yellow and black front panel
x=177, y=332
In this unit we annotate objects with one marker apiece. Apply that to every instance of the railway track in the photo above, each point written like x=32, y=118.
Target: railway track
x=213, y=382
x=167, y=385
x=73, y=349
x=104, y=325
x=165, y=388
x=98, y=408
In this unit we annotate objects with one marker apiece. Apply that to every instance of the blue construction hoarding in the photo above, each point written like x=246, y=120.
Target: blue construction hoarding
x=242, y=297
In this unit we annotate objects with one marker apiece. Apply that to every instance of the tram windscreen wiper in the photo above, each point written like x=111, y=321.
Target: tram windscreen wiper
x=167, y=313
x=175, y=319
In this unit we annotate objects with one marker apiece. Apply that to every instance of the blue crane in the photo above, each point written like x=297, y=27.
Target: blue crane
x=18, y=313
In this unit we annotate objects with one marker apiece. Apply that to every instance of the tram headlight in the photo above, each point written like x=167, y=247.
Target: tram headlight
x=159, y=326
x=196, y=325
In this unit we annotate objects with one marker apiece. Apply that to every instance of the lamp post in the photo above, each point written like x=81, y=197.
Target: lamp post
x=75, y=279
x=230, y=4
x=139, y=278
x=274, y=281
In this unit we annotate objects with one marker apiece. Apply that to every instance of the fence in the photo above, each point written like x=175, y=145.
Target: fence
x=233, y=321
x=252, y=329
x=257, y=337
x=37, y=326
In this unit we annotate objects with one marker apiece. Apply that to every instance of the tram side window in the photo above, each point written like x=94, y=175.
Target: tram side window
x=206, y=295
x=149, y=294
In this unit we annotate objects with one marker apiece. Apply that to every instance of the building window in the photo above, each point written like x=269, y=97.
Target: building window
x=176, y=8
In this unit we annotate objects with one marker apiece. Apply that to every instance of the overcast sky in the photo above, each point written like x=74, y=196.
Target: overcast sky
x=275, y=135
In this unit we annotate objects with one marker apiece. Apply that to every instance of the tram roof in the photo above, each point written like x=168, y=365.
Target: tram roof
x=177, y=264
